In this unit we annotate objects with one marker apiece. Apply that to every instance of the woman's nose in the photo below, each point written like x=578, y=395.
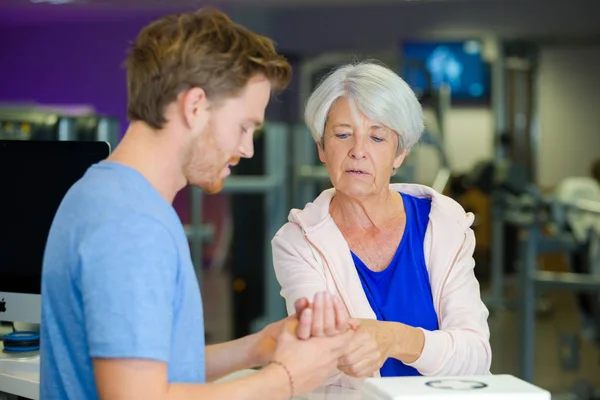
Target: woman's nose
x=358, y=149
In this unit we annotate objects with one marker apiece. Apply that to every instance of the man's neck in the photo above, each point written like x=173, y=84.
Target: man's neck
x=154, y=155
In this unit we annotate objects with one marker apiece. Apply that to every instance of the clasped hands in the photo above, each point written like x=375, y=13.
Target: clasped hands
x=370, y=345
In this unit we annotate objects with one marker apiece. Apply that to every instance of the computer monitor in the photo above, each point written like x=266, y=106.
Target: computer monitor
x=458, y=64
x=34, y=177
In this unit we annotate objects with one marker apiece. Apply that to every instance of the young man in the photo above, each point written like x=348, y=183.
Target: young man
x=121, y=308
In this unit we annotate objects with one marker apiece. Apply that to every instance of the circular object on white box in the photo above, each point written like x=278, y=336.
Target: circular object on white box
x=456, y=384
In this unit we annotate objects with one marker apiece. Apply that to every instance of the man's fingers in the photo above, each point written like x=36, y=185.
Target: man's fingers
x=290, y=326
x=329, y=317
x=304, y=325
x=317, y=322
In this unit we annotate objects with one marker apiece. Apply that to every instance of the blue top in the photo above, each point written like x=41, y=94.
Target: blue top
x=401, y=292
x=118, y=281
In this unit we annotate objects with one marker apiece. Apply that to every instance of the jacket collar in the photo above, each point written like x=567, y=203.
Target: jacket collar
x=320, y=230
x=316, y=214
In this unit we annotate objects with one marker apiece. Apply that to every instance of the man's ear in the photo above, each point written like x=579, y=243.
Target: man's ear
x=195, y=108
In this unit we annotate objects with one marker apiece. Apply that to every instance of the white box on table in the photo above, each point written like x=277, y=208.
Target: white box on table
x=484, y=387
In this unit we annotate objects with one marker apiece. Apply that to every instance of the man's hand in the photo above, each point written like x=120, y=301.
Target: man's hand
x=311, y=361
x=369, y=349
x=325, y=317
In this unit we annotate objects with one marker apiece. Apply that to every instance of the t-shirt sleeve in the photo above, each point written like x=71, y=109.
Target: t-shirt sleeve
x=127, y=280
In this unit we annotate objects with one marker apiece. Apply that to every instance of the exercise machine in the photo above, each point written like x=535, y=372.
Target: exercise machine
x=259, y=192
x=563, y=222
x=36, y=122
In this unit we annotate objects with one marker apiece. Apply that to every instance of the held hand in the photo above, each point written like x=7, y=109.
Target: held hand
x=327, y=316
x=369, y=350
x=311, y=361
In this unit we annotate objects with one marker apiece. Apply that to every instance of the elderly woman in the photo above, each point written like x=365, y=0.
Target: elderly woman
x=399, y=256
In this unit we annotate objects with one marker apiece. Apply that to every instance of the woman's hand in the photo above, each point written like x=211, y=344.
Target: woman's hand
x=376, y=341
x=326, y=316
x=368, y=350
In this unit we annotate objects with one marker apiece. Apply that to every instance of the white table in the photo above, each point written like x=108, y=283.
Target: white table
x=20, y=378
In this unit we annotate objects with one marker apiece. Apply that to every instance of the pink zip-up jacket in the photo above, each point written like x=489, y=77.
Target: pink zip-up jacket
x=310, y=255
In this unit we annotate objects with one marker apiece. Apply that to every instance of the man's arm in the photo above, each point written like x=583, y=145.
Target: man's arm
x=326, y=318
x=131, y=379
x=225, y=358
x=302, y=365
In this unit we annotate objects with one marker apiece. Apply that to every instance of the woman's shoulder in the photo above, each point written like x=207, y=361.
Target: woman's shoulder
x=290, y=231
x=443, y=207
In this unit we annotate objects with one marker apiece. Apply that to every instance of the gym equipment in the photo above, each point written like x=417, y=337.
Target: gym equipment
x=254, y=274
x=21, y=342
x=35, y=122
x=545, y=224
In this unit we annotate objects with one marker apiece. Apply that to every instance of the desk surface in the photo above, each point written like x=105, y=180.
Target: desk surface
x=20, y=377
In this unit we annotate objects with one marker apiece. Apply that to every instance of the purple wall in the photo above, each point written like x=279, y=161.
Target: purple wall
x=52, y=60
x=67, y=64
x=57, y=55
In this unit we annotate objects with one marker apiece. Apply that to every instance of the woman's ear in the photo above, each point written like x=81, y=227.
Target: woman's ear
x=321, y=151
x=399, y=159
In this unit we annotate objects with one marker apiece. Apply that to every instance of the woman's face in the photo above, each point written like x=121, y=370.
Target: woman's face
x=359, y=154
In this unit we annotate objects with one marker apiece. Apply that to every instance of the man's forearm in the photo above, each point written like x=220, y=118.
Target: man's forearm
x=225, y=358
x=270, y=383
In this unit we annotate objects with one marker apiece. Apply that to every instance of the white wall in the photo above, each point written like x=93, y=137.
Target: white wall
x=568, y=102
x=569, y=113
x=469, y=138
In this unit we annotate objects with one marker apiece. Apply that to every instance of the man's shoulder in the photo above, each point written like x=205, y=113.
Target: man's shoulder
x=112, y=192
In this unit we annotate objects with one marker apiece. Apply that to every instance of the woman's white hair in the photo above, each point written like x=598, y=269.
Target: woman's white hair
x=377, y=91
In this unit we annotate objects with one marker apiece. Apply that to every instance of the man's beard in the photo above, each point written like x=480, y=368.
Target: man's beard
x=204, y=163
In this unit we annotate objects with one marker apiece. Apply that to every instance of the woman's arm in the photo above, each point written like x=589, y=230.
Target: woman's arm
x=300, y=276
x=297, y=273
x=461, y=346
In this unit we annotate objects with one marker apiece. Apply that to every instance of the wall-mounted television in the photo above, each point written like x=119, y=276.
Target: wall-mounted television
x=460, y=64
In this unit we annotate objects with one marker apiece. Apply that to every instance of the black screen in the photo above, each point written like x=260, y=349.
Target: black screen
x=34, y=177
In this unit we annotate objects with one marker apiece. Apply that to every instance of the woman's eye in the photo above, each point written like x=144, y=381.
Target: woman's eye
x=341, y=135
x=377, y=139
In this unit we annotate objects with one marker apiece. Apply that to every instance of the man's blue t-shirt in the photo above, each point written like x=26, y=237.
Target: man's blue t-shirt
x=118, y=282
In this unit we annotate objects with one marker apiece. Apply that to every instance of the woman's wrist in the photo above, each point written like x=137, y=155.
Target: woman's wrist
x=407, y=344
